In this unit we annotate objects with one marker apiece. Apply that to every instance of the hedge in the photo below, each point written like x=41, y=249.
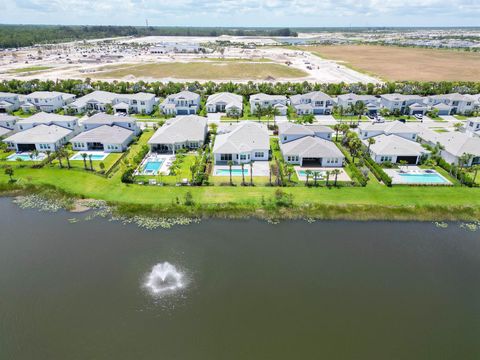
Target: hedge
x=377, y=171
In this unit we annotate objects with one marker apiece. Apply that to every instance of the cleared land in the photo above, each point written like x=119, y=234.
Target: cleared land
x=399, y=63
x=221, y=70
x=29, y=69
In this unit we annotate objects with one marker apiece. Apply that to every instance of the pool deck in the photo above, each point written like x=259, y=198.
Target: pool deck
x=343, y=176
x=78, y=155
x=398, y=180
x=164, y=169
x=13, y=157
x=260, y=168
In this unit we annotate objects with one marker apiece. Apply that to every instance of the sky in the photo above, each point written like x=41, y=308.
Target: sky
x=274, y=13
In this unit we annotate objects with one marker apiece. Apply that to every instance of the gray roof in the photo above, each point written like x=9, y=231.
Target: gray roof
x=266, y=97
x=354, y=97
x=225, y=97
x=181, y=129
x=313, y=96
x=5, y=117
x=289, y=128
x=104, y=134
x=245, y=137
x=106, y=119
x=106, y=97
x=452, y=97
x=47, y=95
x=187, y=95
x=457, y=143
x=7, y=94
x=47, y=134
x=320, y=128
x=400, y=97
x=393, y=127
x=395, y=145
x=311, y=146
x=4, y=131
x=46, y=118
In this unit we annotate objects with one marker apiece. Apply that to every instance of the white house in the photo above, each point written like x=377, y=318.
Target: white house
x=372, y=103
x=41, y=138
x=225, y=103
x=7, y=124
x=472, y=127
x=182, y=103
x=183, y=132
x=368, y=130
x=264, y=101
x=394, y=149
x=101, y=119
x=457, y=144
x=401, y=103
x=9, y=102
x=107, y=138
x=316, y=102
x=289, y=131
x=42, y=118
x=449, y=104
x=139, y=103
x=243, y=143
x=47, y=101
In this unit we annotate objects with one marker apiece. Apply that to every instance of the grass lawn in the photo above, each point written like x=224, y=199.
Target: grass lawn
x=349, y=118
x=211, y=70
x=29, y=69
x=182, y=173
x=109, y=161
x=403, y=63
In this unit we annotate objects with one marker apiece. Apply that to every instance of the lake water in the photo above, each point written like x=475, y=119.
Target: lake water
x=250, y=290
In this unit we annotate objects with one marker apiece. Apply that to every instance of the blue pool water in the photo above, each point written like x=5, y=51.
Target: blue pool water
x=304, y=174
x=425, y=178
x=226, y=172
x=25, y=157
x=152, y=167
x=95, y=157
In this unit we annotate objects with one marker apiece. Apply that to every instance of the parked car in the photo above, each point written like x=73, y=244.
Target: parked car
x=419, y=116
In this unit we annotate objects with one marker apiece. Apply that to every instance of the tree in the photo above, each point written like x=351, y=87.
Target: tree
x=458, y=126
x=243, y=174
x=48, y=152
x=289, y=171
x=337, y=127
x=9, y=172
x=59, y=156
x=370, y=141
x=475, y=169
x=360, y=108
x=91, y=163
x=230, y=164
x=84, y=156
x=327, y=173
x=335, y=172
x=307, y=176
x=102, y=166
x=464, y=160
x=251, y=173
x=355, y=145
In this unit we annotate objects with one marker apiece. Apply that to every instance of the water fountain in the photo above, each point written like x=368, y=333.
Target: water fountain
x=164, y=279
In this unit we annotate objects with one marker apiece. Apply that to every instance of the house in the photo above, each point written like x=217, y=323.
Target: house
x=47, y=101
x=9, y=102
x=265, y=101
x=182, y=103
x=291, y=131
x=368, y=130
x=312, y=150
x=452, y=103
x=243, y=143
x=42, y=118
x=139, y=103
x=457, y=144
x=316, y=103
x=101, y=119
x=372, y=103
x=472, y=127
x=183, y=132
x=394, y=149
x=231, y=104
x=7, y=124
x=41, y=138
x=399, y=103
x=107, y=138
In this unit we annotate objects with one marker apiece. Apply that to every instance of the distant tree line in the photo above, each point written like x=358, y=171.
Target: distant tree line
x=83, y=87
x=14, y=36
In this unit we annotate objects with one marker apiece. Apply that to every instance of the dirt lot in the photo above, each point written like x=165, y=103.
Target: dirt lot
x=397, y=63
x=202, y=70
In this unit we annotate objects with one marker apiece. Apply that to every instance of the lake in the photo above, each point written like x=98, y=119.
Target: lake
x=238, y=290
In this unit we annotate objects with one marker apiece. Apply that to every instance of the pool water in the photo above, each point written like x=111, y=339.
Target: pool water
x=304, y=174
x=425, y=178
x=95, y=157
x=25, y=157
x=152, y=167
x=226, y=172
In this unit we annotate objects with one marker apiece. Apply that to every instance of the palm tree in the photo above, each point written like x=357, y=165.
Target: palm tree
x=289, y=170
x=251, y=173
x=328, y=176
x=335, y=172
x=230, y=164
x=59, y=156
x=354, y=145
x=316, y=175
x=84, y=156
x=307, y=175
x=464, y=160
x=91, y=163
x=475, y=169
x=243, y=174
x=370, y=141
x=193, y=169
x=360, y=108
x=337, y=127
x=9, y=171
x=48, y=152
x=65, y=153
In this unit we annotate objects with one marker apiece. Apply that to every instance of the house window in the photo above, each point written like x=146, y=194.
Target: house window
x=259, y=154
x=243, y=157
x=225, y=157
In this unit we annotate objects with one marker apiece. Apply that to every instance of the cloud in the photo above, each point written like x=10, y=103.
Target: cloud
x=243, y=12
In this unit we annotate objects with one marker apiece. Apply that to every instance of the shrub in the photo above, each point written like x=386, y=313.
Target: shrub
x=378, y=171
x=282, y=199
x=127, y=176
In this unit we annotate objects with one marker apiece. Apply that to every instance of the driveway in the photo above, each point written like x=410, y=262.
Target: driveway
x=214, y=118
x=325, y=119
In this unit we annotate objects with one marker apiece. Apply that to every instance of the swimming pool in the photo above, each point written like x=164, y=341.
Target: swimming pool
x=152, y=167
x=26, y=157
x=95, y=156
x=226, y=172
x=422, y=178
x=303, y=173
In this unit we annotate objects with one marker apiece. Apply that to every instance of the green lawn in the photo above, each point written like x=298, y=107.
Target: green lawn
x=182, y=173
x=29, y=69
